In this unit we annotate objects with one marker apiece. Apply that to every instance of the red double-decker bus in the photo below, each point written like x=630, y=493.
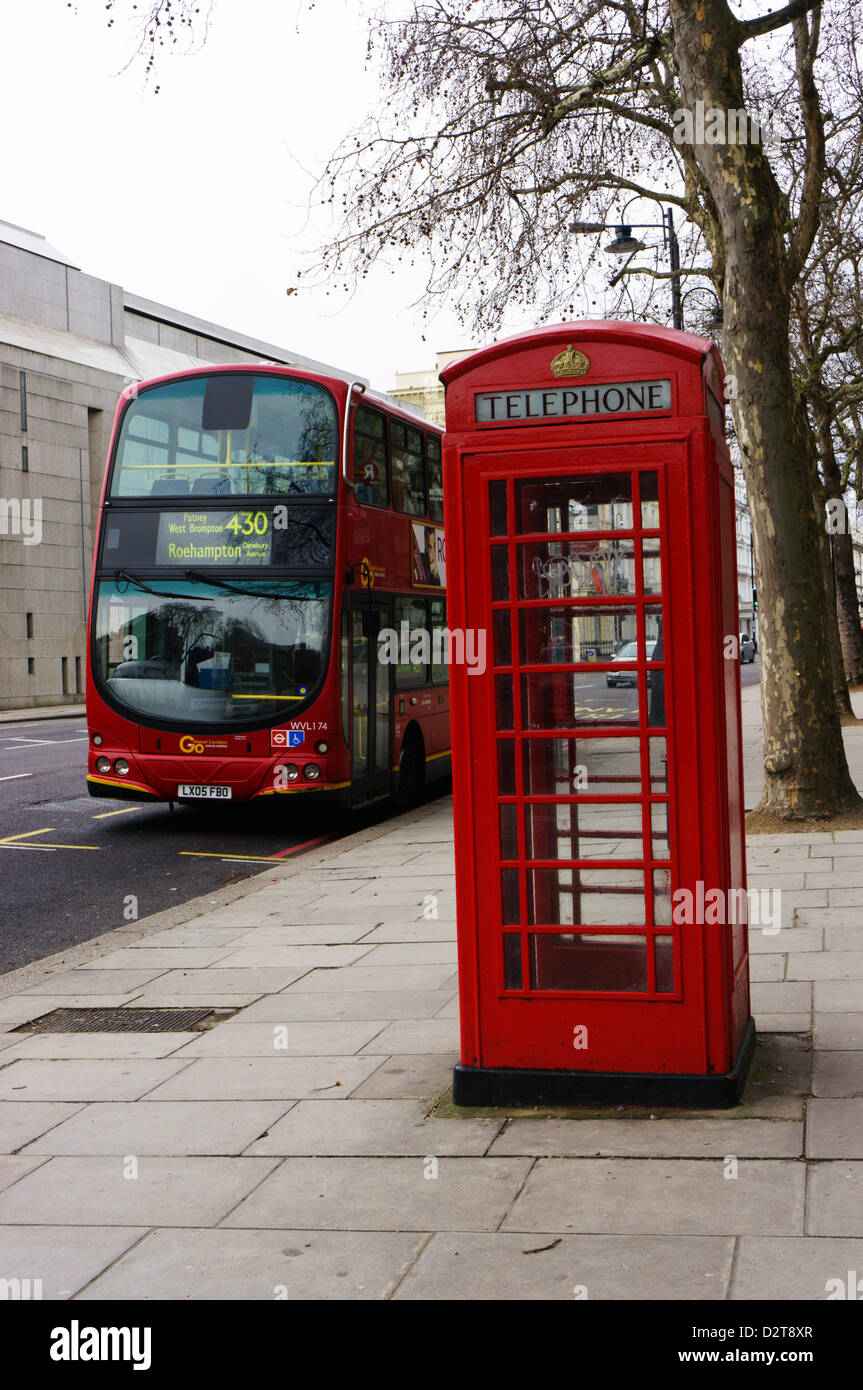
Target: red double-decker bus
x=261, y=527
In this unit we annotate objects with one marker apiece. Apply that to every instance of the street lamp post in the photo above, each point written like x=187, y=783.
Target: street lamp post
x=625, y=244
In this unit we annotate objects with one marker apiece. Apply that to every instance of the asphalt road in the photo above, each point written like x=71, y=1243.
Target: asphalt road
x=69, y=864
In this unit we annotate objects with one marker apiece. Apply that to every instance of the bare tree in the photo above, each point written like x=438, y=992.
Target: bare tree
x=505, y=120
x=509, y=118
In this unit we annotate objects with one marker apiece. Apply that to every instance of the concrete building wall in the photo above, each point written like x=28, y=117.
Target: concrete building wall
x=79, y=341
x=424, y=390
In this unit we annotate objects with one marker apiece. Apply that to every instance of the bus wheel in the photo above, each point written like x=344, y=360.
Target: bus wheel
x=412, y=771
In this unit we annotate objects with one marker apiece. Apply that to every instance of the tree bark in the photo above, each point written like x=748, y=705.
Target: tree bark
x=806, y=771
x=819, y=495
x=842, y=543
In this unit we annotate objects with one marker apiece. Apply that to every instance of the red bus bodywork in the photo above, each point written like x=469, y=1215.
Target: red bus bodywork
x=372, y=570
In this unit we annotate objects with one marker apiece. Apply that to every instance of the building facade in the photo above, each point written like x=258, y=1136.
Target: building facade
x=69, y=345
x=424, y=390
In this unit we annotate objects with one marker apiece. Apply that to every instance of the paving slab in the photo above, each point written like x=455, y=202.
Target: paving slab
x=661, y=1138
x=831, y=1032
x=23, y=1120
x=162, y=1127
x=374, y=1128
x=373, y=1194
x=278, y=933
x=288, y=1039
x=14, y=1167
x=160, y=959
x=269, y=956
x=97, y=1191
x=838, y=1074
x=766, y=968
x=781, y=1023
x=90, y=982
x=828, y=965
x=662, y=1197
x=417, y=1076
x=834, y=1128
x=63, y=1258
x=422, y=930
x=407, y=1036
x=847, y=937
x=216, y=981
x=344, y=1005
x=780, y=998
x=795, y=1267
x=267, y=1078
x=838, y=996
x=193, y=936
x=468, y=1266
x=835, y=1200
x=384, y=977
x=104, y=1045
x=85, y=1079
x=789, y=938
x=268, y=1265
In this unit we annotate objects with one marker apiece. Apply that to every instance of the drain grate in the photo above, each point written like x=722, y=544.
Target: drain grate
x=126, y=1020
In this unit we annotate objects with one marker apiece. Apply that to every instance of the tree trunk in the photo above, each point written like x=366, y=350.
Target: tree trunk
x=847, y=604
x=819, y=497
x=848, y=607
x=806, y=771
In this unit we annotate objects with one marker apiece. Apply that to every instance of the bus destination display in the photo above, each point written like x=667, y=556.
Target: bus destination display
x=215, y=538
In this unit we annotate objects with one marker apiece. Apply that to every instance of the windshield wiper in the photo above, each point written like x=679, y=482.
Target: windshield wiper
x=139, y=584
x=202, y=578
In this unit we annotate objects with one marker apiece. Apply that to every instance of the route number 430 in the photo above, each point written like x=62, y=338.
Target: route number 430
x=248, y=524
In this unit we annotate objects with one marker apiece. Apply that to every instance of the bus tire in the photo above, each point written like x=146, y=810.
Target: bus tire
x=412, y=770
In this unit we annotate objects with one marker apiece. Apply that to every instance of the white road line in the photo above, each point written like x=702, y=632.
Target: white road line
x=15, y=776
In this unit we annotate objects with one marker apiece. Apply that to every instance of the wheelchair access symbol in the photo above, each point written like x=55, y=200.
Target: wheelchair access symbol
x=287, y=738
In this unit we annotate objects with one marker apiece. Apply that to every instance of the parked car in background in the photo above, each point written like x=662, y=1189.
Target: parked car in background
x=628, y=652
x=748, y=647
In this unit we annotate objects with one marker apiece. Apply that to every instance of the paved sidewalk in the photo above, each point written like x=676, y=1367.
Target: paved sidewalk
x=23, y=716
x=293, y=1150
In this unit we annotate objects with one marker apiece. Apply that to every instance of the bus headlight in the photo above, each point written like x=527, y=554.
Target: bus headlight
x=98, y=740
x=103, y=764
x=291, y=771
x=312, y=772
x=121, y=766
x=322, y=747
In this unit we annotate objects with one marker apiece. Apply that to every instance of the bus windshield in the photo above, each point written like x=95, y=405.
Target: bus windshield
x=227, y=434
x=188, y=650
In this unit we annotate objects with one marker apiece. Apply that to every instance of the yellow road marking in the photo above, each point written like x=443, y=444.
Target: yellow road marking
x=247, y=858
x=124, y=811
x=14, y=841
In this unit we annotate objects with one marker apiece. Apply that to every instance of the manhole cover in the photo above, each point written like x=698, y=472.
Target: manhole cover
x=126, y=1021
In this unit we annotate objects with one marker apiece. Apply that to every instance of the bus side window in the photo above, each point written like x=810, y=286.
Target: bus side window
x=414, y=613
x=440, y=668
x=409, y=489
x=435, y=477
x=370, y=459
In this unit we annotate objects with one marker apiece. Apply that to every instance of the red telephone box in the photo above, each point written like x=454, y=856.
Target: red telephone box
x=600, y=858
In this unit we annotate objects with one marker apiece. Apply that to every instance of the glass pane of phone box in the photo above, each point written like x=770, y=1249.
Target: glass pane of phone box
x=560, y=960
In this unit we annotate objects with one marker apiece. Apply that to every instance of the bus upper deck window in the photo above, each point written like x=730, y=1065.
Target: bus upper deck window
x=409, y=489
x=370, y=459
x=435, y=478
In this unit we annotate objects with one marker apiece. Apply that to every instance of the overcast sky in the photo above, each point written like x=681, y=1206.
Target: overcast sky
x=197, y=196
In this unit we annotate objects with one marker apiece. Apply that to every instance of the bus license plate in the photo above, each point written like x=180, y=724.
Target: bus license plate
x=196, y=791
